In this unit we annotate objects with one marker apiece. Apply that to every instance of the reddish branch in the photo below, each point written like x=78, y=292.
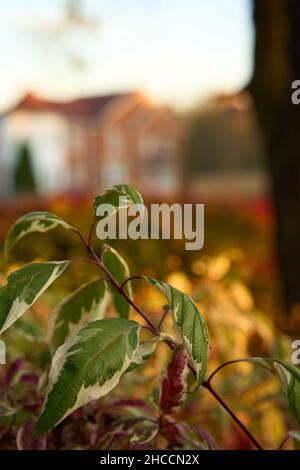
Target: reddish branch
x=156, y=329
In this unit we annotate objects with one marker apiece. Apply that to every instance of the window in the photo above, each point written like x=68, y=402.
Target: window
x=114, y=172
x=77, y=140
x=160, y=175
x=153, y=145
x=114, y=145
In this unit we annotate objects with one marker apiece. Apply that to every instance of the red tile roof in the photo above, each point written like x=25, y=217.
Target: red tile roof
x=83, y=107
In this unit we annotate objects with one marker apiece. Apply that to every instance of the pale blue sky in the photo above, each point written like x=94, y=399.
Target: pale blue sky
x=178, y=51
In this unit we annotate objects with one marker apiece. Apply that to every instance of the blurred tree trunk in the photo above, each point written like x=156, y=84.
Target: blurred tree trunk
x=277, y=64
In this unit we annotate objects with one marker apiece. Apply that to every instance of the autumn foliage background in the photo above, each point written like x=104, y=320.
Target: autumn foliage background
x=234, y=281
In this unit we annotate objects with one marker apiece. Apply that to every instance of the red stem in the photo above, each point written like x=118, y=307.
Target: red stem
x=156, y=331
x=228, y=363
x=91, y=233
x=121, y=290
x=284, y=441
x=131, y=278
x=163, y=317
x=250, y=436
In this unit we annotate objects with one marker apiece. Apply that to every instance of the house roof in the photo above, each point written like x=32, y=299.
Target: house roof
x=83, y=107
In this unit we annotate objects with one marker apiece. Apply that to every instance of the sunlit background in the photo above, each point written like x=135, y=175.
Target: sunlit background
x=178, y=52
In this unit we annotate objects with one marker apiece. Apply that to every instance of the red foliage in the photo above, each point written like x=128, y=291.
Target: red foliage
x=24, y=438
x=174, y=383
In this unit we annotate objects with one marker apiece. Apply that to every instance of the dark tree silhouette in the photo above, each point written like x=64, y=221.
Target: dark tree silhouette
x=23, y=175
x=277, y=64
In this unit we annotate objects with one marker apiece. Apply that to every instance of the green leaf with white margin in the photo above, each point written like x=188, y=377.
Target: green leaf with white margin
x=190, y=324
x=88, y=366
x=295, y=435
x=120, y=271
x=31, y=331
x=144, y=352
x=289, y=377
x=120, y=196
x=32, y=222
x=86, y=304
x=23, y=288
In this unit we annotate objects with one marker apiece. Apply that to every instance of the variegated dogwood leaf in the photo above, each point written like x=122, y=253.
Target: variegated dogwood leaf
x=24, y=439
x=144, y=352
x=24, y=287
x=190, y=324
x=32, y=222
x=85, y=304
x=295, y=435
x=86, y=367
x=119, y=269
x=289, y=377
x=120, y=196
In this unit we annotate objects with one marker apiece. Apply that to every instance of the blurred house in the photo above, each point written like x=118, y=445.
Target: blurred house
x=89, y=144
x=226, y=151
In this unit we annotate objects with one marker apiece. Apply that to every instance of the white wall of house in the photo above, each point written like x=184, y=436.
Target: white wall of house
x=159, y=163
x=114, y=164
x=7, y=158
x=48, y=139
